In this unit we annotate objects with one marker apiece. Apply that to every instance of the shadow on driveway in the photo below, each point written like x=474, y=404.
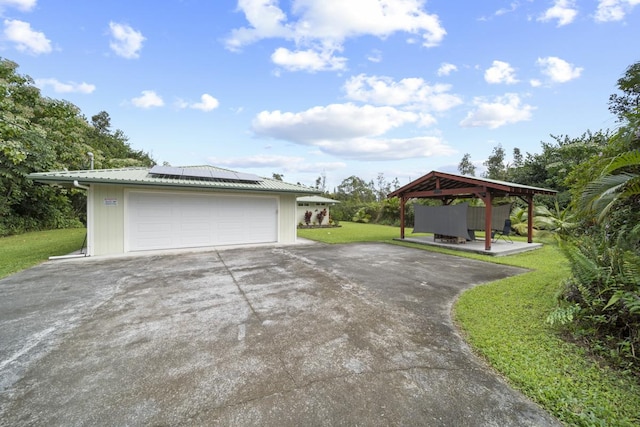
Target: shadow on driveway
x=355, y=334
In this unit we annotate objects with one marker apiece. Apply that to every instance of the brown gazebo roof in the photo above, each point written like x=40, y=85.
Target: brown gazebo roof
x=441, y=184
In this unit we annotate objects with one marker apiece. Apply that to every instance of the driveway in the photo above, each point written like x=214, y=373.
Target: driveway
x=312, y=335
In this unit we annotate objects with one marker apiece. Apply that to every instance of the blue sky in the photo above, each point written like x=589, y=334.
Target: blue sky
x=310, y=87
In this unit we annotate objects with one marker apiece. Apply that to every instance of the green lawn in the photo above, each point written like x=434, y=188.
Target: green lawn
x=29, y=249
x=504, y=322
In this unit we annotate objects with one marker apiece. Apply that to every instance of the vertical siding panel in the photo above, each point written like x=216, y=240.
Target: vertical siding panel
x=288, y=224
x=108, y=219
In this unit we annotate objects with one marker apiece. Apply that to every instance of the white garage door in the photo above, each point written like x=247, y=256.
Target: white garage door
x=170, y=220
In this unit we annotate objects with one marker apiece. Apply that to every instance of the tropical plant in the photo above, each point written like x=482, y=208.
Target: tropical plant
x=362, y=216
x=601, y=301
x=307, y=217
x=619, y=180
x=320, y=216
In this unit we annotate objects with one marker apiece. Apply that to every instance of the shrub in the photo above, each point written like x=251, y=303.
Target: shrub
x=600, y=304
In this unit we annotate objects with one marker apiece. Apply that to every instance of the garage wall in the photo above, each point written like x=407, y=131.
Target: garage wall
x=288, y=225
x=106, y=219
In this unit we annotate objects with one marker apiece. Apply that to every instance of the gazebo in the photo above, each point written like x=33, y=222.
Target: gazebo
x=448, y=187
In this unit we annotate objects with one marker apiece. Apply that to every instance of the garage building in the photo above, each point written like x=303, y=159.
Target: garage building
x=138, y=209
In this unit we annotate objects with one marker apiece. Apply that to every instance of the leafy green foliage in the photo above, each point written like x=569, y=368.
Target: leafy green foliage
x=42, y=134
x=628, y=101
x=362, y=216
x=603, y=295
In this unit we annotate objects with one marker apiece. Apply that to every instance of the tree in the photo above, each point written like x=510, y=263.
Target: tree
x=466, y=167
x=383, y=187
x=495, y=165
x=517, y=158
x=277, y=176
x=629, y=101
x=42, y=134
x=356, y=189
x=321, y=182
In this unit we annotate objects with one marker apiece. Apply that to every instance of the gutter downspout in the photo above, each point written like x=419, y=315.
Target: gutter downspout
x=78, y=185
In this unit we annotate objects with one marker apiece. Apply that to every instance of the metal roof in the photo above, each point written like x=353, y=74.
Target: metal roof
x=316, y=199
x=143, y=177
x=438, y=184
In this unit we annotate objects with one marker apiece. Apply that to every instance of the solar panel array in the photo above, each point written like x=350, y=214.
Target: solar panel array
x=204, y=174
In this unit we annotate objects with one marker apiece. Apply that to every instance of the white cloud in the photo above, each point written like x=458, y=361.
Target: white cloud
x=284, y=163
x=500, y=72
x=388, y=148
x=503, y=110
x=512, y=8
x=375, y=56
x=614, y=10
x=409, y=92
x=26, y=39
x=70, y=87
x=446, y=69
x=350, y=131
x=564, y=11
x=322, y=26
x=558, y=70
x=207, y=103
x=23, y=5
x=126, y=41
x=148, y=99
x=266, y=20
x=308, y=60
x=535, y=83
x=335, y=121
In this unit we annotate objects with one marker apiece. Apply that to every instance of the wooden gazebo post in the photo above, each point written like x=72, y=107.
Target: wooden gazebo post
x=402, y=203
x=530, y=218
x=488, y=211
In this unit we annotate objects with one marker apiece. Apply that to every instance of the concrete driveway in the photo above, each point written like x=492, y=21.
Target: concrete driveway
x=310, y=335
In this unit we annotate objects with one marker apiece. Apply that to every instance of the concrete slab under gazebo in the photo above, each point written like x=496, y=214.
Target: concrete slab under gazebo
x=448, y=187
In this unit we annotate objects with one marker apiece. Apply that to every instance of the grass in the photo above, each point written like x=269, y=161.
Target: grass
x=29, y=249
x=349, y=232
x=504, y=322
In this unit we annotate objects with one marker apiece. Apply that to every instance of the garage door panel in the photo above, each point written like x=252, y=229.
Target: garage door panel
x=171, y=220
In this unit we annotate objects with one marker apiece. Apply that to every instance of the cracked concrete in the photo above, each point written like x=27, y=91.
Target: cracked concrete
x=319, y=335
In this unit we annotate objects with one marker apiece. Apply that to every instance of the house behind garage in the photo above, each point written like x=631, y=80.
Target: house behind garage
x=138, y=209
x=314, y=204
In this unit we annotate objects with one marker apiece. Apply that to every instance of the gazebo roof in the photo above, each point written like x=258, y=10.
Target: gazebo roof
x=442, y=184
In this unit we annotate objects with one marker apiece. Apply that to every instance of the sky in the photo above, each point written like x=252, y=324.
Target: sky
x=329, y=88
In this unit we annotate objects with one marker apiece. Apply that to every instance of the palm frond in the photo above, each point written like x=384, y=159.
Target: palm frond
x=624, y=160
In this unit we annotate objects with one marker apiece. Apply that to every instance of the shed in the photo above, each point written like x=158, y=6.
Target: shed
x=137, y=209
x=447, y=187
x=314, y=204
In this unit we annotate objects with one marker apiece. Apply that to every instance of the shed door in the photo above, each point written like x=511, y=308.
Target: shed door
x=171, y=220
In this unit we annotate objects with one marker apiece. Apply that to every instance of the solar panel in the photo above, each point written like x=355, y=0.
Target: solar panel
x=196, y=173
x=166, y=170
x=206, y=174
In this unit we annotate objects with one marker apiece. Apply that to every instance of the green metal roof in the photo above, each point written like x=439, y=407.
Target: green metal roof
x=316, y=199
x=142, y=177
